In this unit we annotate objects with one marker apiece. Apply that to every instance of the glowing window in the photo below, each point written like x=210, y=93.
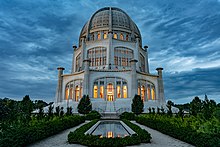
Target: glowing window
x=98, y=36
x=105, y=35
x=77, y=93
x=126, y=37
x=67, y=93
x=125, y=91
x=153, y=93
x=118, y=92
x=121, y=37
x=142, y=92
x=95, y=91
x=115, y=36
x=71, y=93
x=101, y=91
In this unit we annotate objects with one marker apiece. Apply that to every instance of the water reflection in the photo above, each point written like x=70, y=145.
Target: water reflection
x=110, y=129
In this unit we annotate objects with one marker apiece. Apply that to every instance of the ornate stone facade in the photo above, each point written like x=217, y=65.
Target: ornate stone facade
x=110, y=65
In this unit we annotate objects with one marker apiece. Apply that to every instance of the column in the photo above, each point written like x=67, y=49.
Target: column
x=109, y=57
x=86, y=77
x=133, y=78
x=160, y=86
x=83, y=53
x=59, y=85
x=73, y=65
x=146, y=60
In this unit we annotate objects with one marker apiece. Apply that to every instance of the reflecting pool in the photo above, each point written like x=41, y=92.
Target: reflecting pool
x=110, y=129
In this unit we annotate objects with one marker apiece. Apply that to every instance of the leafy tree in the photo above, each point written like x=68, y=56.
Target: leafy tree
x=50, y=111
x=181, y=113
x=69, y=111
x=137, y=105
x=169, y=106
x=26, y=106
x=61, y=112
x=195, y=106
x=85, y=105
x=40, y=113
x=57, y=113
x=208, y=107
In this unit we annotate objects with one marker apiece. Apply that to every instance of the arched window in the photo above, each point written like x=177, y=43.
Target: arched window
x=78, y=63
x=67, y=93
x=77, y=93
x=101, y=91
x=95, y=91
x=143, y=93
x=118, y=91
x=105, y=36
x=125, y=91
x=115, y=36
x=153, y=93
x=110, y=92
x=97, y=56
x=142, y=62
x=122, y=56
x=148, y=93
x=121, y=36
x=98, y=36
x=127, y=37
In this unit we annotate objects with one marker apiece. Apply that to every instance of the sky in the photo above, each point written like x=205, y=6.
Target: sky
x=37, y=36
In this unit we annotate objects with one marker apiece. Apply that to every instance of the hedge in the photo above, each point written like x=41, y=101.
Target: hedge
x=21, y=135
x=178, y=131
x=78, y=136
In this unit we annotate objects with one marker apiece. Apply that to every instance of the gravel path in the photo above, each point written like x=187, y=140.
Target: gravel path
x=158, y=139
x=161, y=140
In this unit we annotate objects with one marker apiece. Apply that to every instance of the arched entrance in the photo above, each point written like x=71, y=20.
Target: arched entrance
x=110, y=92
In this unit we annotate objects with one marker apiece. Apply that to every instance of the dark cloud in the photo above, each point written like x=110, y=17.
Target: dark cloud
x=36, y=37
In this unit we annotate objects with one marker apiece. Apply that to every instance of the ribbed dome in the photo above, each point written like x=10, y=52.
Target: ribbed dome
x=110, y=19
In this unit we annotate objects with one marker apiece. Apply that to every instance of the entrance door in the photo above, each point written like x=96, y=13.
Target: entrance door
x=110, y=92
x=110, y=98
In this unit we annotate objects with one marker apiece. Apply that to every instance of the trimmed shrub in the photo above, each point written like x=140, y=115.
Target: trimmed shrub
x=93, y=115
x=176, y=128
x=78, y=136
x=23, y=135
x=127, y=115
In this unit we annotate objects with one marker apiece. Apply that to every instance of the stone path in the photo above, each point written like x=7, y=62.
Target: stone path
x=161, y=140
x=158, y=139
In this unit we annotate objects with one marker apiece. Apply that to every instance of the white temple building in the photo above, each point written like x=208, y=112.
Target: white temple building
x=110, y=65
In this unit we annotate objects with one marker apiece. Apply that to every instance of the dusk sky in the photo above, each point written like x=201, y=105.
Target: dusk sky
x=37, y=36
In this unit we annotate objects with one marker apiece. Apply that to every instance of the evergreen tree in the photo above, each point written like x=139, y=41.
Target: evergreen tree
x=169, y=106
x=208, y=107
x=26, y=106
x=195, y=106
x=61, y=112
x=57, y=113
x=85, y=105
x=137, y=105
x=50, y=111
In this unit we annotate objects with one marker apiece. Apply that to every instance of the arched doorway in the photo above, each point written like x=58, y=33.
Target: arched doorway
x=110, y=92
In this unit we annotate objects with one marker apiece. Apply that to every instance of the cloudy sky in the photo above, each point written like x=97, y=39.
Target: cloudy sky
x=183, y=37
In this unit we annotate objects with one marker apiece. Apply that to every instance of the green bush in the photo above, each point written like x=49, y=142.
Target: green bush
x=127, y=115
x=78, y=136
x=93, y=115
x=20, y=135
x=185, y=131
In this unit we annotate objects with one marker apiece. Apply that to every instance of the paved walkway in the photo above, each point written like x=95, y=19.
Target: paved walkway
x=161, y=140
x=158, y=139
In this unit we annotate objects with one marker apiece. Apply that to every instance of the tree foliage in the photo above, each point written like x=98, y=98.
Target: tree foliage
x=137, y=105
x=85, y=105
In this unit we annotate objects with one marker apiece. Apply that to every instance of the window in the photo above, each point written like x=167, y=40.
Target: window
x=97, y=56
x=95, y=91
x=105, y=36
x=67, y=93
x=98, y=36
x=118, y=92
x=142, y=59
x=143, y=93
x=122, y=56
x=148, y=93
x=101, y=91
x=125, y=91
x=121, y=36
x=115, y=36
x=153, y=93
x=78, y=63
x=77, y=93
x=127, y=37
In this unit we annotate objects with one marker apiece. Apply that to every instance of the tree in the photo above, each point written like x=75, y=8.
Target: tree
x=57, y=113
x=26, y=106
x=85, y=105
x=69, y=111
x=137, y=105
x=50, y=111
x=169, y=106
x=208, y=107
x=195, y=106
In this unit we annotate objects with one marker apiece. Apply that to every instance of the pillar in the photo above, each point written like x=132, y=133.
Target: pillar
x=83, y=53
x=146, y=60
x=86, y=77
x=110, y=51
x=133, y=77
x=59, y=85
x=160, y=85
x=73, y=65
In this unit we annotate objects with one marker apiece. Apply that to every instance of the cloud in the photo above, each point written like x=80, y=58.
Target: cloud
x=36, y=37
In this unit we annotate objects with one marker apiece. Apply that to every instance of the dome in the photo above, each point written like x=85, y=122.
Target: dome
x=110, y=19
